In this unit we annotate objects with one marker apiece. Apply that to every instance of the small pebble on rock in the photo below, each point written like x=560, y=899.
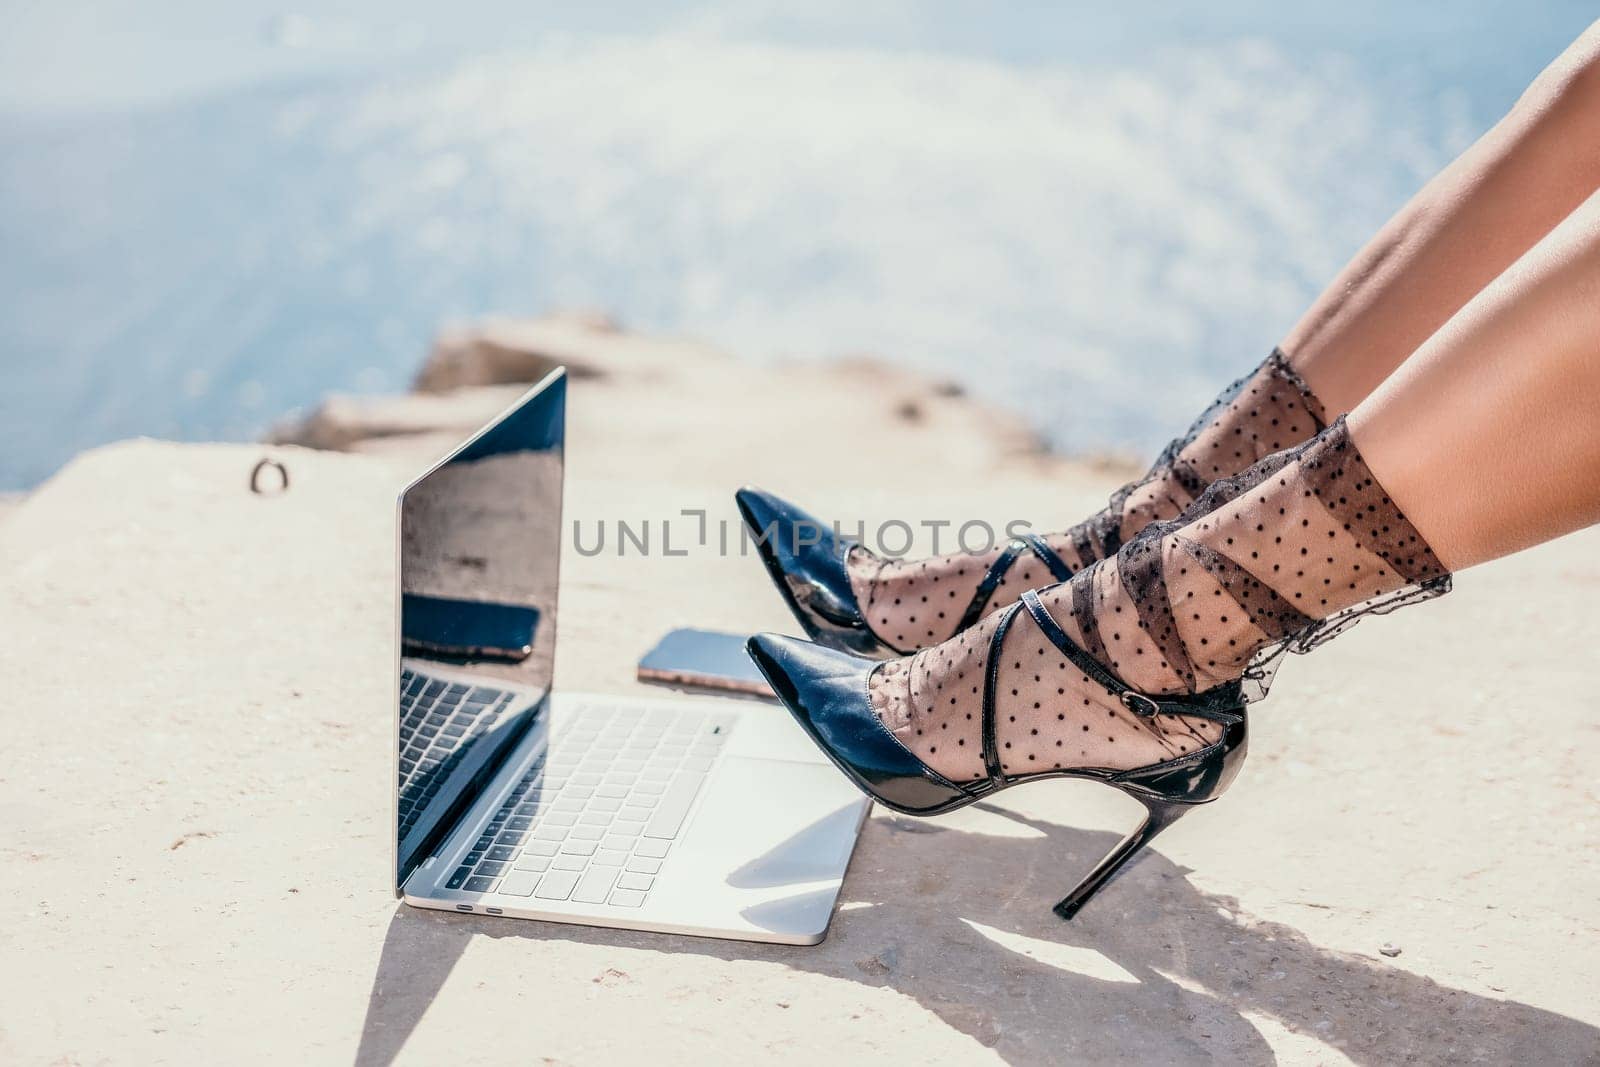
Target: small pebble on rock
x=1390, y=950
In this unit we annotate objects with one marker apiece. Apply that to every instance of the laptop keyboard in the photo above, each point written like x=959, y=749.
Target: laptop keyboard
x=436, y=719
x=598, y=813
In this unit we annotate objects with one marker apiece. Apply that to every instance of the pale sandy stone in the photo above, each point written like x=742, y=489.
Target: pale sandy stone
x=192, y=807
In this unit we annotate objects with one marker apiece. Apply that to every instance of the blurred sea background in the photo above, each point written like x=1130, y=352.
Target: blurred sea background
x=214, y=214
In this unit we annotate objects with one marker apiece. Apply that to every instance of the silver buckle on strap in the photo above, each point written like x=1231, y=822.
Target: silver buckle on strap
x=1140, y=704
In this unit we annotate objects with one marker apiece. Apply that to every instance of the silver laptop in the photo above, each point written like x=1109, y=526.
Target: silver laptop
x=710, y=817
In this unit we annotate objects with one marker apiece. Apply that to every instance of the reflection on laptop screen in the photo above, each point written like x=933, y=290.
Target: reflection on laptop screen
x=480, y=540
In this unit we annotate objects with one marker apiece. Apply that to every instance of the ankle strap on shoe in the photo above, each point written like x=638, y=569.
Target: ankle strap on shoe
x=1028, y=542
x=1219, y=704
x=1223, y=704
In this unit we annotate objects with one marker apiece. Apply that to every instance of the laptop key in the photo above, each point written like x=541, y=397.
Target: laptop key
x=595, y=885
x=459, y=879
x=479, y=884
x=629, y=880
x=569, y=863
x=610, y=857
x=531, y=862
x=556, y=885
x=651, y=849
x=519, y=883
x=639, y=865
x=578, y=847
x=674, y=806
x=627, y=898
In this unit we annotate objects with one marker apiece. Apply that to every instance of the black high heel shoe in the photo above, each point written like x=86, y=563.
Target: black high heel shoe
x=826, y=691
x=806, y=559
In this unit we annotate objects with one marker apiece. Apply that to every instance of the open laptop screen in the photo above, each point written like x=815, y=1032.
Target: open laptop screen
x=480, y=538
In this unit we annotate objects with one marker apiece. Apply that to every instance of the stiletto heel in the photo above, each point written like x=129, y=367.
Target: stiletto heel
x=1159, y=814
x=1168, y=791
x=826, y=691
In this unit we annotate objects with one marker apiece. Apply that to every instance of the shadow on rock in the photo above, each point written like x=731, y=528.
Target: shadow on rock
x=1153, y=971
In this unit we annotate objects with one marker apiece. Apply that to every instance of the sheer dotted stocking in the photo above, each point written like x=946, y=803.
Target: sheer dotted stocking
x=917, y=603
x=1262, y=558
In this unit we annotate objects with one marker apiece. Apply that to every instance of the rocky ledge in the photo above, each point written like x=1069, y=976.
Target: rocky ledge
x=651, y=387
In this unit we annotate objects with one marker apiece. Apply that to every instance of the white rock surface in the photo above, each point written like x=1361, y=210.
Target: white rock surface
x=192, y=815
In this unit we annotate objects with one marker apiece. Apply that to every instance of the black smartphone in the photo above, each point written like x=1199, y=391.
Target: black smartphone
x=437, y=627
x=704, y=659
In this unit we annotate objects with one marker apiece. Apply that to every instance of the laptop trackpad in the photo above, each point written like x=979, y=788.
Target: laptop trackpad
x=771, y=823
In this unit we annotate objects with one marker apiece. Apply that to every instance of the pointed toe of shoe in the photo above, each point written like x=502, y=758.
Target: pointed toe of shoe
x=761, y=509
x=818, y=684
x=827, y=693
x=806, y=560
x=796, y=539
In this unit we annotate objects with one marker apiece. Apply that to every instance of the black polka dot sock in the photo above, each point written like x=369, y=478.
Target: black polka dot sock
x=917, y=603
x=1304, y=539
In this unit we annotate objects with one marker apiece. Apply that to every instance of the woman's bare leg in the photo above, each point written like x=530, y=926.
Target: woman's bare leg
x=1485, y=441
x=1464, y=228
x=1469, y=223
x=1488, y=437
